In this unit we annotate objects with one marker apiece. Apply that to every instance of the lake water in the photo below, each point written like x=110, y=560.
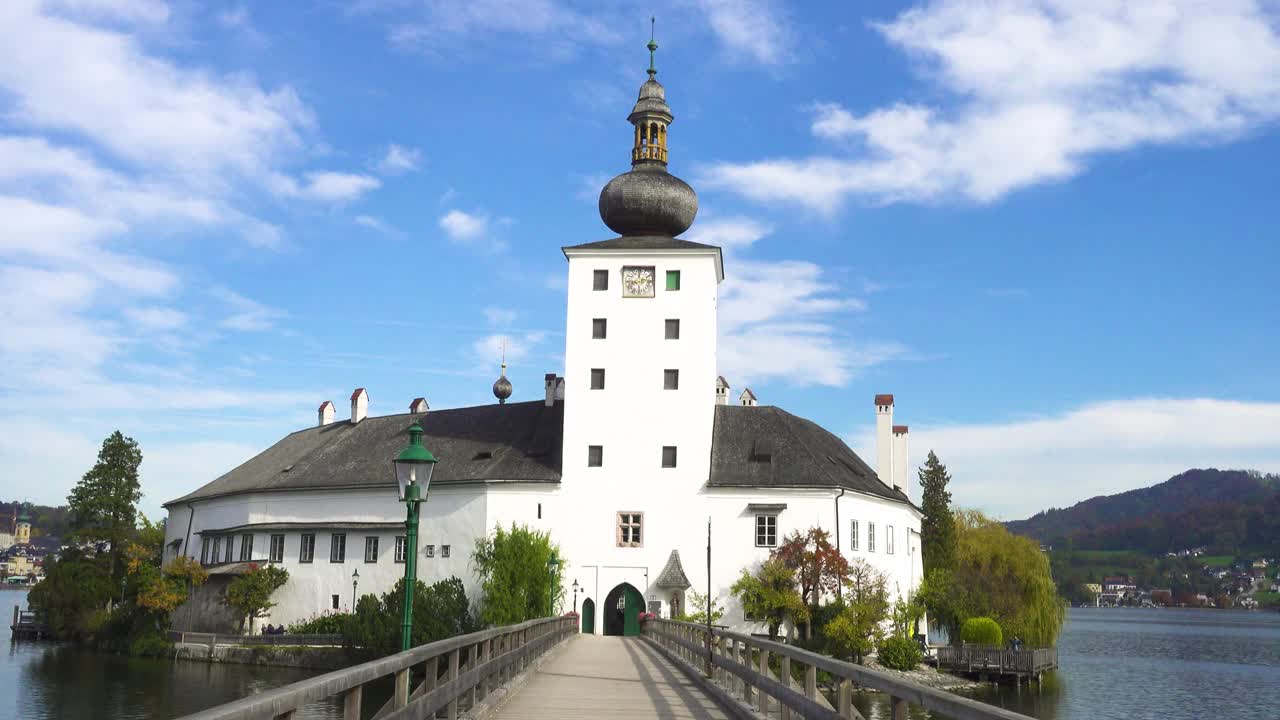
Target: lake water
x=1121, y=664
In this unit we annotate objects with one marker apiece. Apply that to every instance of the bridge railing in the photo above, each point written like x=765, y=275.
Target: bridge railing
x=463, y=669
x=315, y=639
x=979, y=658
x=742, y=668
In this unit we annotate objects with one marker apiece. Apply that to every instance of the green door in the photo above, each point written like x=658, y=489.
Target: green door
x=631, y=612
x=589, y=616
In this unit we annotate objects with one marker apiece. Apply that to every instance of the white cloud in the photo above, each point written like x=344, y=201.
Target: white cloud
x=443, y=22
x=1035, y=89
x=378, y=225
x=515, y=347
x=136, y=11
x=400, y=159
x=1017, y=467
x=464, y=227
x=156, y=318
x=246, y=315
x=500, y=317
x=754, y=29
x=326, y=186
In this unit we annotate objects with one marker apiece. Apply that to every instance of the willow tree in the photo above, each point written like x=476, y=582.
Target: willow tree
x=518, y=580
x=999, y=575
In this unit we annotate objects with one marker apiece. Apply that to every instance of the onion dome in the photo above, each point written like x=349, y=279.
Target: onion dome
x=502, y=386
x=648, y=200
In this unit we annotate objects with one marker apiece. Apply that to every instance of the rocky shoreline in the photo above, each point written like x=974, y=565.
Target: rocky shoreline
x=929, y=676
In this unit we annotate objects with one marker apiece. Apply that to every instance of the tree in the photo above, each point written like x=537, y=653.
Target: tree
x=819, y=567
x=250, y=594
x=859, y=626
x=516, y=577
x=770, y=595
x=698, y=602
x=104, y=504
x=439, y=611
x=72, y=597
x=937, y=527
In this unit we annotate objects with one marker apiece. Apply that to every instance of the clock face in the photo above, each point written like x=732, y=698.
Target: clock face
x=637, y=281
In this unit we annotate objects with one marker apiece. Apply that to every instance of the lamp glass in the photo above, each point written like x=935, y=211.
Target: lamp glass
x=414, y=465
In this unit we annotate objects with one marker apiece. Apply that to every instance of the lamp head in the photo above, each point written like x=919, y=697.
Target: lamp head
x=414, y=466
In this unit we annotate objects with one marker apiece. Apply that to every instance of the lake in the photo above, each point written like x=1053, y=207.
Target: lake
x=1118, y=663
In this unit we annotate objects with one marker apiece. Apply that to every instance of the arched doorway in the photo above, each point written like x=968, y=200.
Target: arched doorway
x=589, y=616
x=622, y=608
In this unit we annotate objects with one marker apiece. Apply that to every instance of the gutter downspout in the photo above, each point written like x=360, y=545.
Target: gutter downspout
x=839, y=547
x=191, y=515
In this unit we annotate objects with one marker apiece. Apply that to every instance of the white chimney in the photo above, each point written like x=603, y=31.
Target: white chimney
x=884, y=439
x=559, y=387
x=722, y=391
x=550, y=382
x=747, y=398
x=359, y=405
x=418, y=406
x=900, y=461
x=326, y=412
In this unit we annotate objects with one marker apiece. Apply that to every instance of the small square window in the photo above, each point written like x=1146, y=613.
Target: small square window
x=670, y=379
x=766, y=531
x=600, y=280
x=598, y=328
x=430, y=551
x=673, y=329
x=673, y=279
x=334, y=599
x=402, y=548
x=629, y=525
x=597, y=378
x=444, y=551
x=668, y=456
x=595, y=456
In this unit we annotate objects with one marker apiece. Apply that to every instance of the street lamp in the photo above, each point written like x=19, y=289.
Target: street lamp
x=413, y=478
x=355, y=580
x=575, y=596
x=552, y=564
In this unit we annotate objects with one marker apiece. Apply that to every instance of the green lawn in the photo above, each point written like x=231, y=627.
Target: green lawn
x=1218, y=561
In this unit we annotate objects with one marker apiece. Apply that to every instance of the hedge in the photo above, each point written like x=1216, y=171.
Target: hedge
x=981, y=631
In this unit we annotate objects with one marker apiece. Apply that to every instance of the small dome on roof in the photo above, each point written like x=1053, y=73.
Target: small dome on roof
x=502, y=386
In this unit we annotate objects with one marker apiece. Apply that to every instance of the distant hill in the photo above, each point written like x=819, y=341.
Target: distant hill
x=1227, y=510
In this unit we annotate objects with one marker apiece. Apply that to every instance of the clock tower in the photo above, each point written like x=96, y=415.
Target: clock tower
x=640, y=356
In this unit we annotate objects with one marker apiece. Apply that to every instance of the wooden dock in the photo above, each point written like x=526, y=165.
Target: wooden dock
x=28, y=626
x=1003, y=663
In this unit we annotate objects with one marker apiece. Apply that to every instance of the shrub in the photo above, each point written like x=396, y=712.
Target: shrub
x=981, y=631
x=899, y=653
x=324, y=624
x=150, y=645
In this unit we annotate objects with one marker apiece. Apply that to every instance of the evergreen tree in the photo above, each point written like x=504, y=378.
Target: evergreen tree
x=104, y=504
x=938, y=527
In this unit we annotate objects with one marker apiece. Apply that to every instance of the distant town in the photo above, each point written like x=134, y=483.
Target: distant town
x=1247, y=584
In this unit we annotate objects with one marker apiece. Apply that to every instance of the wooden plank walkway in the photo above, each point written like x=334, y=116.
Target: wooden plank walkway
x=614, y=677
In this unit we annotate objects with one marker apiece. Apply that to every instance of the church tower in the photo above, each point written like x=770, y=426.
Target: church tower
x=22, y=534
x=640, y=356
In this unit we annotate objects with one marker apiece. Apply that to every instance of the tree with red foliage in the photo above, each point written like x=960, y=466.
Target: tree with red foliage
x=818, y=566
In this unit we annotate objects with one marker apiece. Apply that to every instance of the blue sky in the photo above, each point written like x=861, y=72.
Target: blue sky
x=1047, y=227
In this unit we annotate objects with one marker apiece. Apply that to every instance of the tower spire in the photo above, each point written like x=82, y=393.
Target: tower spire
x=653, y=47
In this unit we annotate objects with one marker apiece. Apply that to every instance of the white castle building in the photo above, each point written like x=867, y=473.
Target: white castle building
x=623, y=460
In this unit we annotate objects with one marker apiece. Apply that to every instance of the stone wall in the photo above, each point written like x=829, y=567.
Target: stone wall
x=204, y=611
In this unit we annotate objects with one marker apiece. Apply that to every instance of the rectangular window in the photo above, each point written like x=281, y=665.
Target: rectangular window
x=430, y=551
x=338, y=548
x=600, y=280
x=246, y=548
x=871, y=537
x=334, y=600
x=673, y=279
x=307, y=548
x=597, y=378
x=444, y=551
x=668, y=456
x=670, y=379
x=402, y=548
x=226, y=548
x=629, y=524
x=673, y=329
x=599, y=327
x=595, y=456
x=217, y=549
x=204, y=551
x=853, y=535
x=766, y=530
x=888, y=539
x=371, y=549
x=277, y=549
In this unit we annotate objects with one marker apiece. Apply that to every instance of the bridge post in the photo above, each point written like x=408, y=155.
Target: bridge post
x=351, y=703
x=784, y=675
x=844, y=699
x=402, y=689
x=764, y=670
x=900, y=708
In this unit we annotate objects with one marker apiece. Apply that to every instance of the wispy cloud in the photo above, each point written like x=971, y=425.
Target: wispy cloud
x=753, y=29
x=1034, y=90
x=246, y=315
x=399, y=159
x=473, y=229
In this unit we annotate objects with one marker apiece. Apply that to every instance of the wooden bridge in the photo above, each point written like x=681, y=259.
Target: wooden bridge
x=545, y=669
x=988, y=660
x=27, y=625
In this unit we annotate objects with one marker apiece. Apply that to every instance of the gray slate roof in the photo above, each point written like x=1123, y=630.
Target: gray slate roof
x=764, y=446
x=523, y=440
x=672, y=576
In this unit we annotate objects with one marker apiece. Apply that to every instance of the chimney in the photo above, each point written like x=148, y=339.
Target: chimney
x=747, y=398
x=325, y=412
x=722, y=391
x=900, y=480
x=884, y=439
x=550, y=381
x=559, y=387
x=418, y=406
x=359, y=405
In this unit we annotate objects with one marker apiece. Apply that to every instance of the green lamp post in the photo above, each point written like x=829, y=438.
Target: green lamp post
x=413, y=477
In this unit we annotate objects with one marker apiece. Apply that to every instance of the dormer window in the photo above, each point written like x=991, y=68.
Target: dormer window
x=762, y=450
